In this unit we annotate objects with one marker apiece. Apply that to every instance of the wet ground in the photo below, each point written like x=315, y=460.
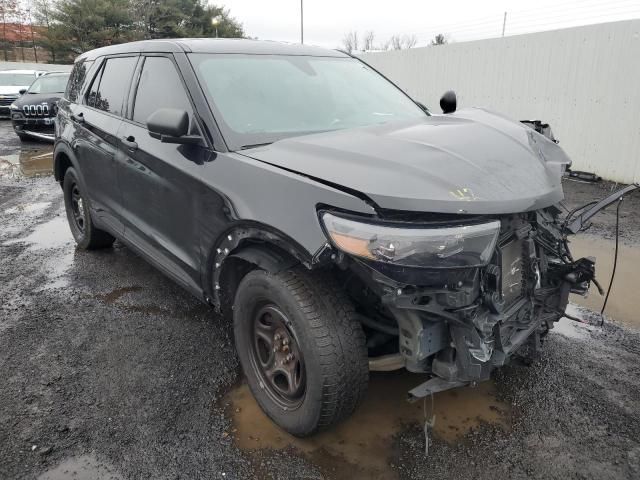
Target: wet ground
x=109, y=371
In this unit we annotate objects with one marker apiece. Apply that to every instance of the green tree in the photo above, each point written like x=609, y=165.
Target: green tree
x=52, y=35
x=183, y=18
x=87, y=24
x=439, y=39
x=71, y=27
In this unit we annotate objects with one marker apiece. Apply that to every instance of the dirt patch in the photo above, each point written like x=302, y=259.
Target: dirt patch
x=361, y=447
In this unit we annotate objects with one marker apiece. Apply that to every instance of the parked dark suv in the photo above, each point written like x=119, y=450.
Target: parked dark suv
x=34, y=112
x=342, y=226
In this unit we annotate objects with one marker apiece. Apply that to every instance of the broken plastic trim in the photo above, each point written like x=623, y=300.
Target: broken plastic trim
x=577, y=225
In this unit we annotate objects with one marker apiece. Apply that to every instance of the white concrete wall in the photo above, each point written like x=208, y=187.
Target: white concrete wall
x=584, y=81
x=34, y=66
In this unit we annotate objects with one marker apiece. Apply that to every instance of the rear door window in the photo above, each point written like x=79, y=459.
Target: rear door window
x=160, y=86
x=110, y=88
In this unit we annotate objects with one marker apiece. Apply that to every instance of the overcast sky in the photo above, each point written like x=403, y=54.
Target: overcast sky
x=326, y=21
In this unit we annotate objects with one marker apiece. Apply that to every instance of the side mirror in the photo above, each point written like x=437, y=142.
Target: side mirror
x=448, y=102
x=171, y=125
x=22, y=91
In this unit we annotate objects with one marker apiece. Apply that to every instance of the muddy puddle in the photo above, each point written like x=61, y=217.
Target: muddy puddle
x=85, y=467
x=361, y=447
x=53, y=234
x=623, y=302
x=32, y=161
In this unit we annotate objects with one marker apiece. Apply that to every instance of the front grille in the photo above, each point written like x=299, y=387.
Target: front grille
x=5, y=101
x=41, y=110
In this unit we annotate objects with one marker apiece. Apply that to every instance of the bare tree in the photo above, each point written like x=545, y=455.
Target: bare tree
x=439, y=39
x=394, y=43
x=409, y=41
x=367, y=42
x=8, y=12
x=350, y=41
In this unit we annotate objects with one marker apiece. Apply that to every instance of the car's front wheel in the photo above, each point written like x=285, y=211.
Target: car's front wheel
x=85, y=233
x=301, y=347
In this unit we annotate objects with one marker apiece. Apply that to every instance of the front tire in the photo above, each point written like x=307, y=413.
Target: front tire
x=85, y=233
x=301, y=347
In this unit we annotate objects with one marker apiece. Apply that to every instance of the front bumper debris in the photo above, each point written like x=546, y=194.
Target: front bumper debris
x=42, y=128
x=457, y=325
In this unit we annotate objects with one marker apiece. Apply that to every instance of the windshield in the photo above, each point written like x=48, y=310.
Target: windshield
x=49, y=84
x=16, y=79
x=263, y=98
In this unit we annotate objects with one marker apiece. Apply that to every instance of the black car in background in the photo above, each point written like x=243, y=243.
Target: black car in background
x=34, y=112
x=342, y=226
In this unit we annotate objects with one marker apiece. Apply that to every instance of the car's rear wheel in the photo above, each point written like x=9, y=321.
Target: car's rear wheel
x=301, y=347
x=85, y=233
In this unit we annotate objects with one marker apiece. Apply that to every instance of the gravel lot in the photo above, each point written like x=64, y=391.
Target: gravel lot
x=108, y=370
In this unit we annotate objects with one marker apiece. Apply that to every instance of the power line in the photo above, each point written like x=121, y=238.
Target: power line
x=521, y=20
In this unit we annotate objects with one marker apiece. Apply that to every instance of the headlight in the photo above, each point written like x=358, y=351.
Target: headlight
x=13, y=106
x=448, y=247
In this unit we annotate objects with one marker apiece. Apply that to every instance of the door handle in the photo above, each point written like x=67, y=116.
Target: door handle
x=130, y=142
x=78, y=118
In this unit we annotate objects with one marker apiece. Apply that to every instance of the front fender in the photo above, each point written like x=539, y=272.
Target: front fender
x=256, y=244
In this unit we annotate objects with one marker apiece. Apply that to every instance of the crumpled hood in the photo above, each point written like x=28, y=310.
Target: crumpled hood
x=472, y=161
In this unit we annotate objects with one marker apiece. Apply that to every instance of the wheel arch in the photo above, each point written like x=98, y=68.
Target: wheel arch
x=246, y=247
x=63, y=158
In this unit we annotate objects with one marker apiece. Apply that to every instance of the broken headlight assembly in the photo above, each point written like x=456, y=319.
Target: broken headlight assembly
x=433, y=247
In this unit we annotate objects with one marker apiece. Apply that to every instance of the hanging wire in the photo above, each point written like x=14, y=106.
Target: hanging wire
x=429, y=423
x=615, y=262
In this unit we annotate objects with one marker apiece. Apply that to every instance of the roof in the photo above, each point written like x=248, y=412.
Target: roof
x=47, y=74
x=214, y=45
x=32, y=72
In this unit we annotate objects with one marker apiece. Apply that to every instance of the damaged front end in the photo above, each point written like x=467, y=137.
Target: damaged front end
x=457, y=296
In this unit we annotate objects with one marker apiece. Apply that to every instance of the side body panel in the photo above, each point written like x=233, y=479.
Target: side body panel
x=162, y=200
x=95, y=146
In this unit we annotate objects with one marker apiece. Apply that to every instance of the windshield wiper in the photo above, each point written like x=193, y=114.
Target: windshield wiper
x=255, y=145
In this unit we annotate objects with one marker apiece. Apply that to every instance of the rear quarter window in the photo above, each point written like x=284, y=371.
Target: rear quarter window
x=77, y=79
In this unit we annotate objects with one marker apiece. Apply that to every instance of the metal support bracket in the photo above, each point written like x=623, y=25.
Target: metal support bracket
x=433, y=385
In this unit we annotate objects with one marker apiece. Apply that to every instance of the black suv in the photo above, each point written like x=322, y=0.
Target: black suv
x=34, y=112
x=342, y=226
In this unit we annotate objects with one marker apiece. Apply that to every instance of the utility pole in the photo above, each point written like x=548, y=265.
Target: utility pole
x=301, y=22
x=504, y=23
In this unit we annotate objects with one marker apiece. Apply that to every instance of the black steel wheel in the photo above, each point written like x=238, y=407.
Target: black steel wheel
x=301, y=347
x=277, y=358
x=77, y=207
x=85, y=233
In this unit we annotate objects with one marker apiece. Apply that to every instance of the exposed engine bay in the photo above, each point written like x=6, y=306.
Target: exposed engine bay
x=458, y=324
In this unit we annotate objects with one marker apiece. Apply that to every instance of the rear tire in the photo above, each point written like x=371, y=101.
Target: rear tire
x=85, y=233
x=315, y=320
